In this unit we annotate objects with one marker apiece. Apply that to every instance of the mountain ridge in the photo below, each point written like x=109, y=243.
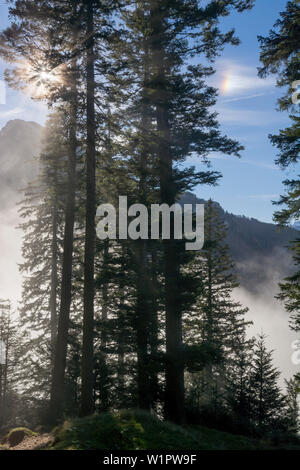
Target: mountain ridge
x=254, y=244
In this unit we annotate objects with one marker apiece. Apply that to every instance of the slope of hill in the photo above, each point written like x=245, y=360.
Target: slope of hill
x=139, y=430
x=296, y=226
x=259, y=249
x=130, y=430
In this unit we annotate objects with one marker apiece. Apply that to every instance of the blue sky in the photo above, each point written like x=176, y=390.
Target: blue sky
x=247, y=113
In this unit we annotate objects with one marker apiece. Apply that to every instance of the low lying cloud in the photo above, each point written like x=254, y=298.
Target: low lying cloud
x=267, y=313
x=11, y=256
x=269, y=316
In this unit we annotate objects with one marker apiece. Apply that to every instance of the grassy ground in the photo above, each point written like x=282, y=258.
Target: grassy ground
x=137, y=430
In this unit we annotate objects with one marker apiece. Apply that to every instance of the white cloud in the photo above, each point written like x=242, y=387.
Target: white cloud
x=268, y=316
x=242, y=98
x=2, y=92
x=248, y=117
x=260, y=164
x=233, y=78
x=11, y=255
x=265, y=197
x=11, y=113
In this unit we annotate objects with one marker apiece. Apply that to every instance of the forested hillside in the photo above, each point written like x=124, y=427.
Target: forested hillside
x=254, y=244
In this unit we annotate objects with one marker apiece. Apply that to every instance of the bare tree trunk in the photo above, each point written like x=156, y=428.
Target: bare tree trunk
x=60, y=356
x=7, y=350
x=143, y=306
x=174, y=398
x=54, y=282
x=87, y=403
x=104, y=401
x=154, y=385
x=142, y=328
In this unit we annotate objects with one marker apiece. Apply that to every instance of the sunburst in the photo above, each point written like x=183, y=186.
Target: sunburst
x=37, y=80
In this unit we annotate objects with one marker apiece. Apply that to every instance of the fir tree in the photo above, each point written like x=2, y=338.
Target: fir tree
x=216, y=320
x=292, y=405
x=267, y=400
x=182, y=127
x=280, y=56
x=9, y=378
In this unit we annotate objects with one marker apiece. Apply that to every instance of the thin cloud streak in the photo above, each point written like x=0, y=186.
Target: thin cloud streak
x=11, y=113
x=234, y=78
x=248, y=117
x=265, y=165
x=263, y=197
x=247, y=97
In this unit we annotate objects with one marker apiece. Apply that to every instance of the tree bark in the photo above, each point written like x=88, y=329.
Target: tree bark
x=60, y=356
x=54, y=282
x=103, y=384
x=143, y=284
x=87, y=403
x=174, y=393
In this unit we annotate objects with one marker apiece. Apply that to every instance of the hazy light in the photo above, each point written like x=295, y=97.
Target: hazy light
x=2, y=353
x=47, y=76
x=37, y=81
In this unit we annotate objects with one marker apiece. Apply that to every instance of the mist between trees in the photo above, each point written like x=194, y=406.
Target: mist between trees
x=108, y=324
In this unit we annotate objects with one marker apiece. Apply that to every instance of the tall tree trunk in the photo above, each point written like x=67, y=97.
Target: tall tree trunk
x=5, y=336
x=154, y=286
x=7, y=350
x=143, y=305
x=121, y=344
x=209, y=333
x=142, y=328
x=121, y=370
x=103, y=381
x=60, y=357
x=54, y=281
x=2, y=366
x=174, y=394
x=87, y=403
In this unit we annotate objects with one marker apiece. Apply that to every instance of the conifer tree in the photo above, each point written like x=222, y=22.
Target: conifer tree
x=44, y=65
x=292, y=405
x=9, y=350
x=267, y=400
x=42, y=211
x=216, y=320
x=280, y=56
x=139, y=110
x=238, y=386
x=183, y=126
x=87, y=405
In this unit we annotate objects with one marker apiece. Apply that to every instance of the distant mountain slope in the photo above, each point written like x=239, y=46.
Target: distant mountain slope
x=258, y=248
x=296, y=226
x=19, y=143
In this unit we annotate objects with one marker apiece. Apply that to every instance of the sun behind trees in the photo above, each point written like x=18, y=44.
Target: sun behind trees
x=117, y=324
